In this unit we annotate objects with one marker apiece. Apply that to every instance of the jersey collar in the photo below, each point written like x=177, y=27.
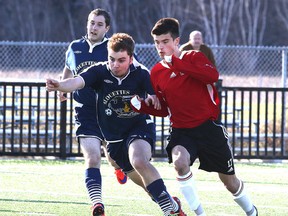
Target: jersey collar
x=91, y=46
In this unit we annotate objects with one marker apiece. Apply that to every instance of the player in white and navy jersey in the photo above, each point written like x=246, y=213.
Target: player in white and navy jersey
x=130, y=135
x=81, y=54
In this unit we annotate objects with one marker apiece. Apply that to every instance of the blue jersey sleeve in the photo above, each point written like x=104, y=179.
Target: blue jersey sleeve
x=92, y=76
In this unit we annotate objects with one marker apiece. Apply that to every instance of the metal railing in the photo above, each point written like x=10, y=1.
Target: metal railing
x=34, y=123
x=256, y=121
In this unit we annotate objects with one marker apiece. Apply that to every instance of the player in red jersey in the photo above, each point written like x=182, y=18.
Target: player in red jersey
x=183, y=83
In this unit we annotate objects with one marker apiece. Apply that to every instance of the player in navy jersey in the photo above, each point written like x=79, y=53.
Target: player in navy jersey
x=130, y=135
x=81, y=54
x=183, y=82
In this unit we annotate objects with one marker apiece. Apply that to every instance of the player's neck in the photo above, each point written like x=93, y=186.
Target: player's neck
x=196, y=48
x=177, y=53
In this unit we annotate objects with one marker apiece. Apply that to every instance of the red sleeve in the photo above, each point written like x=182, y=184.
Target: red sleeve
x=197, y=66
x=140, y=106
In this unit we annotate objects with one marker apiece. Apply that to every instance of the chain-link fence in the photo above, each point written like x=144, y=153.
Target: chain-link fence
x=238, y=65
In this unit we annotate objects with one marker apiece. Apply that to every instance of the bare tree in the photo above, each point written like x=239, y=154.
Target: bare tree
x=166, y=8
x=281, y=7
x=240, y=22
x=141, y=21
x=216, y=18
x=67, y=11
x=251, y=21
x=18, y=10
x=186, y=12
x=249, y=28
x=25, y=18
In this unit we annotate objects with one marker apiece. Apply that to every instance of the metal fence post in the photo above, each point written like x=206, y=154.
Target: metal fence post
x=63, y=109
x=218, y=85
x=284, y=81
x=284, y=67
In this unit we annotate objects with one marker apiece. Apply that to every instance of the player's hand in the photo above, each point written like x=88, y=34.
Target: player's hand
x=153, y=100
x=52, y=85
x=62, y=96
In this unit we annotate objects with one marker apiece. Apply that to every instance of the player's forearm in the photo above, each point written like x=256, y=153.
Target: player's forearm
x=70, y=84
x=141, y=107
x=201, y=69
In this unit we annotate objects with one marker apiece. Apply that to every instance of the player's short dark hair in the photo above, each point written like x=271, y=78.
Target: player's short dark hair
x=121, y=42
x=101, y=12
x=165, y=26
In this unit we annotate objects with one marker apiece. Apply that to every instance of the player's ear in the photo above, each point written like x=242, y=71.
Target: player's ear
x=107, y=28
x=177, y=41
x=131, y=59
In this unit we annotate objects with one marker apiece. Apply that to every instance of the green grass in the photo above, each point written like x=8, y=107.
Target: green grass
x=54, y=187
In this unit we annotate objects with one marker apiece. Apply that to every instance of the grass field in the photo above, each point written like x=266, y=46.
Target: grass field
x=54, y=187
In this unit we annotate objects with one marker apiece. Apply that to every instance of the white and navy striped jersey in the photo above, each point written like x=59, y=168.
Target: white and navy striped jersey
x=80, y=55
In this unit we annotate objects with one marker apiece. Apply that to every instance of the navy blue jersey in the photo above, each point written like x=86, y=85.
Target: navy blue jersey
x=80, y=55
x=116, y=117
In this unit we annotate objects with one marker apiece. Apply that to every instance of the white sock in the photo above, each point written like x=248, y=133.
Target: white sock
x=188, y=189
x=243, y=200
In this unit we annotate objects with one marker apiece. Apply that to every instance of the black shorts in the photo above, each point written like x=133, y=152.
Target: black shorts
x=209, y=142
x=86, y=124
x=118, y=151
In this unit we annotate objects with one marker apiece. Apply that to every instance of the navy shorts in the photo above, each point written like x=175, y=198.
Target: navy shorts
x=209, y=142
x=118, y=151
x=86, y=122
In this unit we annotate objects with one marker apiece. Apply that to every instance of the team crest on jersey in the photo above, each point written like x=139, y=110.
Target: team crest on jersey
x=119, y=102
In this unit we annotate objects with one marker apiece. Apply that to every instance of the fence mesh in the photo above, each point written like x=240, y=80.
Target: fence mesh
x=237, y=65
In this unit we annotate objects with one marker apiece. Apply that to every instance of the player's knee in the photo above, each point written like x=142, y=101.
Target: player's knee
x=180, y=166
x=139, y=163
x=93, y=160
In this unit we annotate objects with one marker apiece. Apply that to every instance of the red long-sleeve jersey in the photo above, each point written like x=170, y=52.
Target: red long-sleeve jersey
x=186, y=90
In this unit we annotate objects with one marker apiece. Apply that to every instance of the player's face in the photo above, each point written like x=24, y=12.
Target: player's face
x=96, y=28
x=196, y=40
x=119, y=62
x=165, y=44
